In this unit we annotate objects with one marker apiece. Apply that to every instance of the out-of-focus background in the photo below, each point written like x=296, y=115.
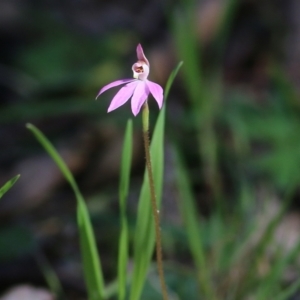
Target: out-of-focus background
x=233, y=113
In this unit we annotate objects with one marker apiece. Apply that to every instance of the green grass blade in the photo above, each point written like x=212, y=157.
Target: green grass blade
x=7, y=186
x=188, y=47
x=190, y=218
x=171, y=79
x=265, y=239
x=91, y=261
x=289, y=291
x=223, y=29
x=204, y=94
x=50, y=276
x=144, y=241
x=123, y=193
x=275, y=274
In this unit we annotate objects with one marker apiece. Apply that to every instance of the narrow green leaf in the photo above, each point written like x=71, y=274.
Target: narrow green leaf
x=171, y=79
x=8, y=185
x=289, y=291
x=123, y=193
x=190, y=218
x=91, y=261
x=144, y=241
x=50, y=276
x=223, y=29
x=188, y=47
x=264, y=241
x=275, y=274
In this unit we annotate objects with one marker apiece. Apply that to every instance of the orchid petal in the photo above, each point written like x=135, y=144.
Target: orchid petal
x=139, y=96
x=122, y=96
x=140, y=54
x=113, y=84
x=157, y=92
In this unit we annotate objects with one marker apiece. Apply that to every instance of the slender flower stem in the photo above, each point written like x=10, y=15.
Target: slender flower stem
x=155, y=211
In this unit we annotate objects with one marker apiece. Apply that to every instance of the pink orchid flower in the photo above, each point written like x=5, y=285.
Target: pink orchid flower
x=138, y=88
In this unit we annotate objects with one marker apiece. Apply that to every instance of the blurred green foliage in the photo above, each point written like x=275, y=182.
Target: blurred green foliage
x=227, y=143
